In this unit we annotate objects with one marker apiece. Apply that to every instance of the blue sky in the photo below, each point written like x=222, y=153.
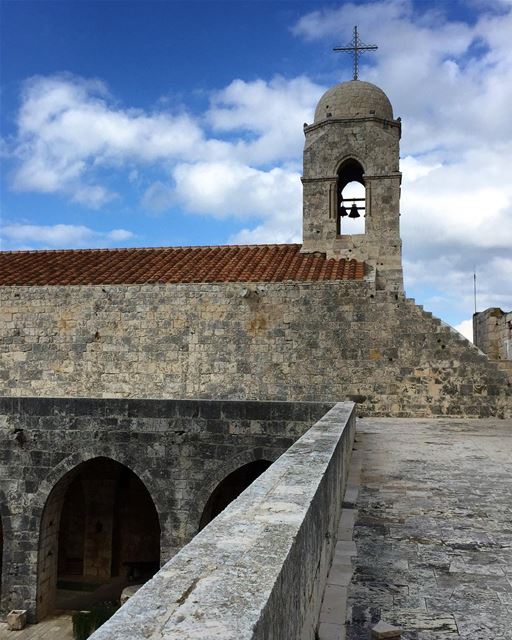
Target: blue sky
x=180, y=123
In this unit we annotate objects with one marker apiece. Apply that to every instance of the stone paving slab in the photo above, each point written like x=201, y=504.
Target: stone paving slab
x=433, y=529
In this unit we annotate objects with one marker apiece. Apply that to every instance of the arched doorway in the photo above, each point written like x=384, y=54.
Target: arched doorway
x=351, y=198
x=230, y=488
x=99, y=532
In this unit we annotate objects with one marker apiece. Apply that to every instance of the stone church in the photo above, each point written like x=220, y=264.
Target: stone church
x=136, y=381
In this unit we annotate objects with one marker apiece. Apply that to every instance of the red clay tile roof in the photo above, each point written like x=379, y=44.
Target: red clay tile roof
x=250, y=263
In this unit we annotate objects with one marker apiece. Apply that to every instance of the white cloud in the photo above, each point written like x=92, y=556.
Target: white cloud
x=69, y=128
x=229, y=189
x=70, y=131
x=61, y=236
x=466, y=203
x=466, y=328
x=271, y=112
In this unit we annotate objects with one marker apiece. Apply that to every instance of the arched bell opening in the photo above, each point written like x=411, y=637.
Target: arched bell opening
x=350, y=198
x=230, y=488
x=99, y=533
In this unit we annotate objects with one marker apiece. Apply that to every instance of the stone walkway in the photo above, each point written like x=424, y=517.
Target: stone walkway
x=433, y=529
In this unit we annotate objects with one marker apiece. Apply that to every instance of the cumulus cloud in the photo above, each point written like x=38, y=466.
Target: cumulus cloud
x=229, y=189
x=71, y=134
x=69, y=128
x=61, y=236
x=466, y=328
x=270, y=112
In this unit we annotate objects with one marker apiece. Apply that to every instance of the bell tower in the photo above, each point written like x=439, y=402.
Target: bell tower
x=354, y=141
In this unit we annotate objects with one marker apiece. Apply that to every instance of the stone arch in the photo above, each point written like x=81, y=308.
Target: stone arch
x=351, y=197
x=101, y=476
x=344, y=159
x=73, y=460
x=224, y=470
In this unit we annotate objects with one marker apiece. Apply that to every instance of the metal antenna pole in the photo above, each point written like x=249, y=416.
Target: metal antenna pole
x=474, y=286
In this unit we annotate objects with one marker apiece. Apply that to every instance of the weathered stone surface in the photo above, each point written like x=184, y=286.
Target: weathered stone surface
x=296, y=341
x=128, y=592
x=258, y=570
x=432, y=529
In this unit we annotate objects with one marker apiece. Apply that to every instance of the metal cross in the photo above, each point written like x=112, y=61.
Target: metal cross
x=356, y=48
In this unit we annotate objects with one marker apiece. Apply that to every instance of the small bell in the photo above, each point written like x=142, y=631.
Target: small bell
x=343, y=211
x=354, y=213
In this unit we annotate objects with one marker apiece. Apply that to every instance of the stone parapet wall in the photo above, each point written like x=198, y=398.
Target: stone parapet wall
x=273, y=341
x=258, y=570
x=180, y=450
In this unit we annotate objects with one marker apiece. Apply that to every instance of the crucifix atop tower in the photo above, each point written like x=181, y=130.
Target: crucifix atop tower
x=357, y=48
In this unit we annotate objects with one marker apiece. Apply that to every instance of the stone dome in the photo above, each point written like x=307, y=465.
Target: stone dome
x=353, y=99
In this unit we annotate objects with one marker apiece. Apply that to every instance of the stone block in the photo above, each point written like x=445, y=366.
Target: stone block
x=334, y=605
x=329, y=631
x=17, y=619
x=128, y=592
x=384, y=630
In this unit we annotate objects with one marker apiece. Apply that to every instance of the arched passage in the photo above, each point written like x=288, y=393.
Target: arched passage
x=351, y=198
x=99, y=532
x=230, y=488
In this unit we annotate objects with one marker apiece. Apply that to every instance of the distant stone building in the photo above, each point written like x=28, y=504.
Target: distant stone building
x=492, y=333
x=103, y=330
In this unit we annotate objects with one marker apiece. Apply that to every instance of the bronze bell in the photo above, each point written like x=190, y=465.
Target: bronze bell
x=343, y=211
x=354, y=213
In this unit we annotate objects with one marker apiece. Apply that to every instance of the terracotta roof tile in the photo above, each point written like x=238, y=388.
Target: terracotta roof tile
x=237, y=263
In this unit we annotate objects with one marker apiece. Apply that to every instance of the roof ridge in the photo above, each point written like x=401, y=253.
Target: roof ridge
x=177, y=247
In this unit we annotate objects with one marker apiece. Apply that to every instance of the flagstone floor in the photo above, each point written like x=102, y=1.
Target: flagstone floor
x=54, y=628
x=432, y=529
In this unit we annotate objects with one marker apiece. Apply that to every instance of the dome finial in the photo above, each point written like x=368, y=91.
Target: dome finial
x=357, y=48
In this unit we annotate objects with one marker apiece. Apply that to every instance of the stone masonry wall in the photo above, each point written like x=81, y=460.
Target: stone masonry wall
x=281, y=341
x=181, y=450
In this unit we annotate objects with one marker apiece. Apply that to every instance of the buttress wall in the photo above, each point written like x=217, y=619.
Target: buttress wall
x=273, y=341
